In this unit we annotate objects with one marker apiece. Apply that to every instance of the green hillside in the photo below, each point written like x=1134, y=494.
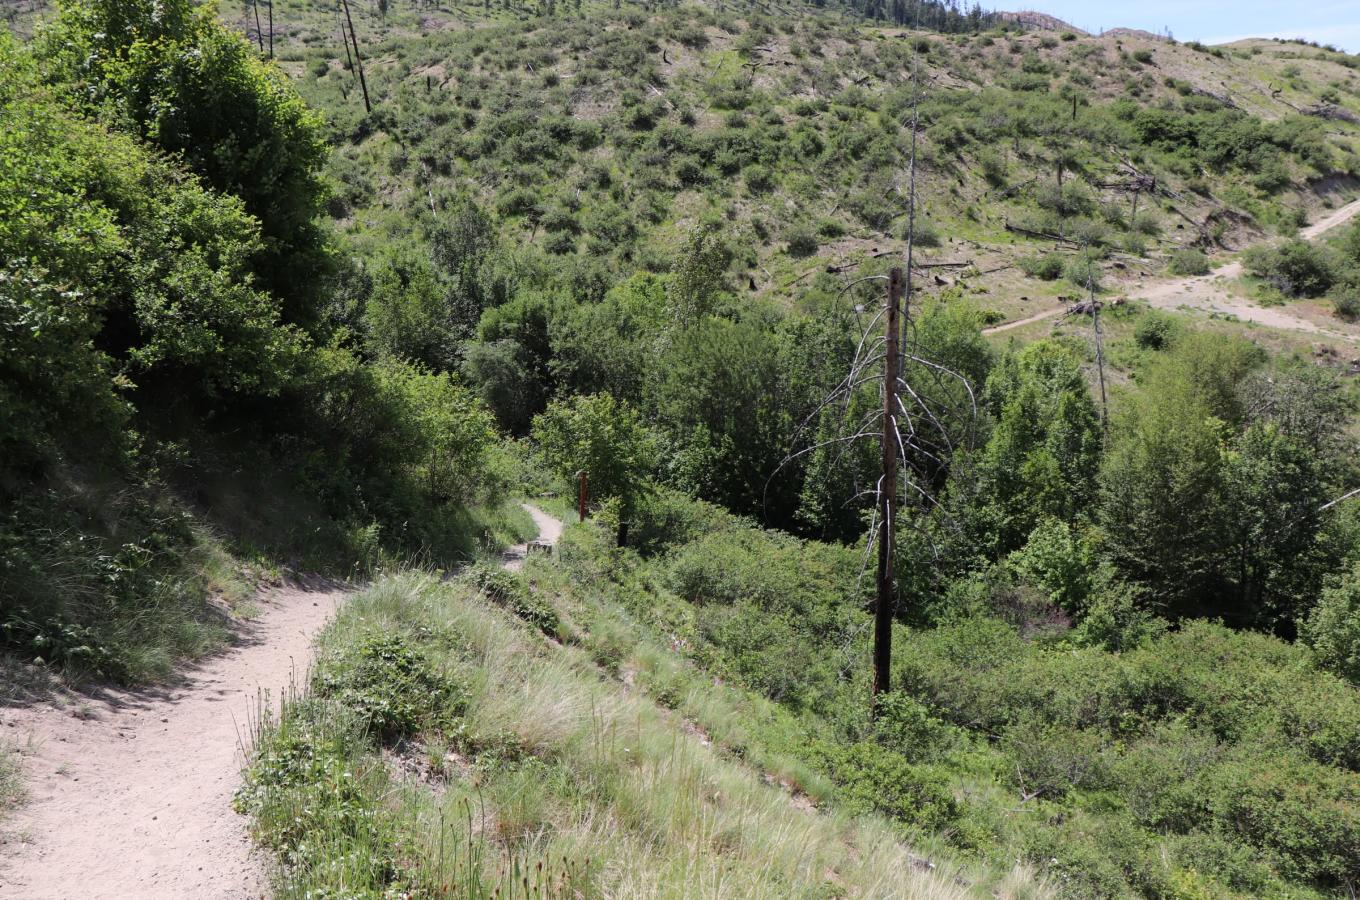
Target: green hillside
x=264, y=316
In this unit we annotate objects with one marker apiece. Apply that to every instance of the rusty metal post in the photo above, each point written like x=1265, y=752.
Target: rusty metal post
x=582, y=493
x=887, y=495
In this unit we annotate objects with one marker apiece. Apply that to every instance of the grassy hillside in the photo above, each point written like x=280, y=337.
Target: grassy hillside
x=605, y=745
x=616, y=135
x=446, y=749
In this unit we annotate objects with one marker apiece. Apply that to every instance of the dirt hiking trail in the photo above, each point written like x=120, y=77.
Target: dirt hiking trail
x=549, y=532
x=1208, y=293
x=129, y=792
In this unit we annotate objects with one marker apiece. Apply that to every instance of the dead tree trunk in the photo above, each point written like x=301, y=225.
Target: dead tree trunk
x=358, y=59
x=887, y=494
x=259, y=32
x=344, y=42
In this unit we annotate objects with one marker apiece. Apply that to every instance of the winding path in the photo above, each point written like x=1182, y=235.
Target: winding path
x=130, y=791
x=1207, y=293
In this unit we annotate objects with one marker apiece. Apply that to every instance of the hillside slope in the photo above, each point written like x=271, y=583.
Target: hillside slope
x=505, y=762
x=790, y=134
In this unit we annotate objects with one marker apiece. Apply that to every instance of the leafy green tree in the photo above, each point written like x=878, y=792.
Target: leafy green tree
x=450, y=432
x=1162, y=497
x=155, y=268
x=1332, y=629
x=1044, y=452
x=168, y=71
x=406, y=312
x=602, y=436
x=1271, y=564
x=1060, y=561
x=722, y=396
x=611, y=346
x=463, y=243
x=1215, y=514
x=502, y=373
x=699, y=276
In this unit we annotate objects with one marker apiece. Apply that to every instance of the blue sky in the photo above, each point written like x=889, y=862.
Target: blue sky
x=1216, y=21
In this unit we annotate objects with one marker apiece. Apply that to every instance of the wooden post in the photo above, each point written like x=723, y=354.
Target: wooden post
x=344, y=42
x=582, y=492
x=271, y=29
x=887, y=495
x=259, y=32
x=358, y=59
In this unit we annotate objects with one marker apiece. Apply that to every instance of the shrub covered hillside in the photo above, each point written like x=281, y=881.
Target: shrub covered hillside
x=173, y=397
x=603, y=141
x=676, y=207
x=1120, y=758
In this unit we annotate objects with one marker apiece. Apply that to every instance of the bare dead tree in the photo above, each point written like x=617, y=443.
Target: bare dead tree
x=358, y=59
x=259, y=32
x=344, y=40
x=1099, y=341
x=909, y=421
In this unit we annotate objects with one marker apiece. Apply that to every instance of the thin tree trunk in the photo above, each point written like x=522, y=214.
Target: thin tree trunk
x=259, y=32
x=887, y=497
x=358, y=59
x=344, y=42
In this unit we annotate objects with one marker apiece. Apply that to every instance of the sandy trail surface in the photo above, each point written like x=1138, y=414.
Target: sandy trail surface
x=130, y=791
x=549, y=531
x=1209, y=293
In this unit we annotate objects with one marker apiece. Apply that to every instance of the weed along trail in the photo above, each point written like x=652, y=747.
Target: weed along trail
x=129, y=792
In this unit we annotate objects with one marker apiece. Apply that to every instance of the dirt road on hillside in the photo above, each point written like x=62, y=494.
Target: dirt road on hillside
x=1208, y=293
x=130, y=791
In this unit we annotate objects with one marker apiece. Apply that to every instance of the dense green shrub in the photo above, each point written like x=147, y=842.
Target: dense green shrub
x=1295, y=268
x=1346, y=303
x=1047, y=266
x=873, y=778
x=1188, y=262
x=390, y=685
x=1155, y=330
